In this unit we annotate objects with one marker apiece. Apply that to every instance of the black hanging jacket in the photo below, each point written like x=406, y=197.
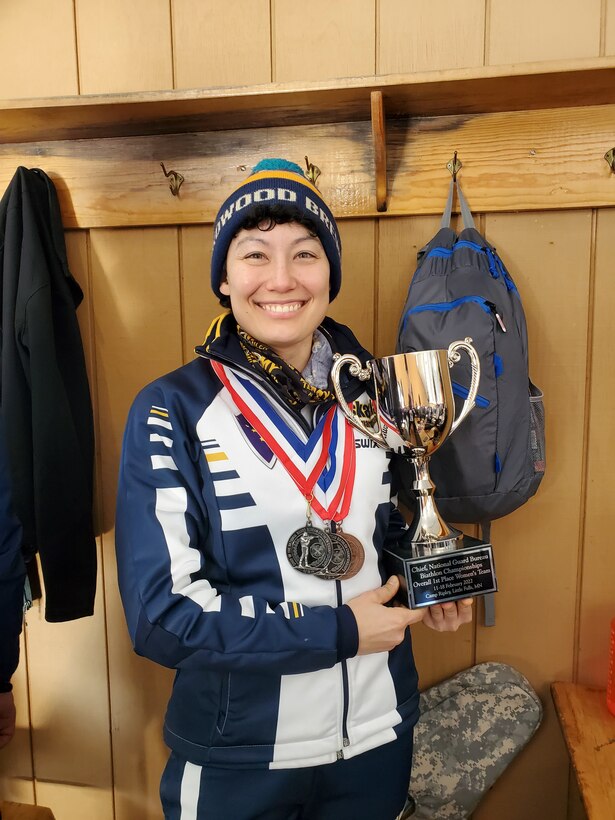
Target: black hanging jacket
x=45, y=395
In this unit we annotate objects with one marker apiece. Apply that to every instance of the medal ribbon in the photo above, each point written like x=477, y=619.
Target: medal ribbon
x=343, y=496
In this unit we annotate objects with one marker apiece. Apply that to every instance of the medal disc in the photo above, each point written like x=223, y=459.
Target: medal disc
x=309, y=549
x=357, y=552
x=341, y=558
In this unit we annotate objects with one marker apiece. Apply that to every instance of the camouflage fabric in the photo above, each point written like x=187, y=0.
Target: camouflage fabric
x=471, y=727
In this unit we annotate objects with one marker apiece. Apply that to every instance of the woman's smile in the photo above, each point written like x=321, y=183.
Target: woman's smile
x=278, y=284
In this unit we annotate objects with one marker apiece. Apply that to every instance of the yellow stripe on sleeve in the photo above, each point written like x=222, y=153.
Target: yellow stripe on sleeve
x=216, y=457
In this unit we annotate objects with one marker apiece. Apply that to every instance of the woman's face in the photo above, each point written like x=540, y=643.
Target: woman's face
x=278, y=284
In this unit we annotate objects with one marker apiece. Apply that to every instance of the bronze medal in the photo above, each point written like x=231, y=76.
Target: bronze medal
x=309, y=549
x=341, y=558
x=357, y=555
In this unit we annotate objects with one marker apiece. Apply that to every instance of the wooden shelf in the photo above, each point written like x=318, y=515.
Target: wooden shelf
x=530, y=137
x=490, y=89
x=589, y=731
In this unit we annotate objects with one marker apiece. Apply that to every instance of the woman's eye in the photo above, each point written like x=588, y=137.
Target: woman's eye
x=255, y=255
x=306, y=255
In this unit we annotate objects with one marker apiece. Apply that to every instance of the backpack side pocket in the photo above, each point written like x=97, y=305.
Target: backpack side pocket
x=536, y=445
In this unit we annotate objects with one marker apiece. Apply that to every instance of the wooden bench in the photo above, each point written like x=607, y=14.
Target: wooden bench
x=589, y=731
x=22, y=811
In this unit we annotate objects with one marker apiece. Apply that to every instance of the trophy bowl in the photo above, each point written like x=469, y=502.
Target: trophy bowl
x=415, y=414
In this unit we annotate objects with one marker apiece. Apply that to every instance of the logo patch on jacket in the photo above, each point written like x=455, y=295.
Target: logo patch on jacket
x=259, y=447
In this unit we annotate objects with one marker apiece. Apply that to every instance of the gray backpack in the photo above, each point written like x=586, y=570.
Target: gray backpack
x=495, y=460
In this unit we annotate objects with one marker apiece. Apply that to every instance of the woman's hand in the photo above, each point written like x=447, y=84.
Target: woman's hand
x=382, y=627
x=450, y=616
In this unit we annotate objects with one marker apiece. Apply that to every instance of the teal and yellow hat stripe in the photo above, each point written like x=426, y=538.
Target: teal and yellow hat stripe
x=282, y=174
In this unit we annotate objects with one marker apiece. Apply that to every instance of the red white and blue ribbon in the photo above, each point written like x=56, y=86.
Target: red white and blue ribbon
x=323, y=468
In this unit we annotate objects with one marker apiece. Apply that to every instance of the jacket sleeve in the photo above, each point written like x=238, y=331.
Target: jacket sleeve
x=176, y=616
x=12, y=576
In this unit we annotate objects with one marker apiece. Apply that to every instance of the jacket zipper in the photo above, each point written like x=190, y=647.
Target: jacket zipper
x=345, y=688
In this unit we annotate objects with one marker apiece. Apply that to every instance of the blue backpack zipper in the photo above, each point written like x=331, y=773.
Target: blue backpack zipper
x=443, y=307
x=463, y=393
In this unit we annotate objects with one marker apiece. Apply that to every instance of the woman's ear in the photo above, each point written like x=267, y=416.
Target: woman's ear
x=224, y=287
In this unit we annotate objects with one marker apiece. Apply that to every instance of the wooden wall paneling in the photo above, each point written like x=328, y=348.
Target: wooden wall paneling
x=138, y=337
x=548, y=30
x=429, y=35
x=16, y=779
x=598, y=590
x=536, y=548
x=37, y=49
x=122, y=183
x=221, y=44
x=324, y=40
x=124, y=46
x=355, y=304
x=513, y=160
x=609, y=28
x=199, y=304
x=528, y=160
x=438, y=656
x=69, y=800
x=70, y=713
x=68, y=676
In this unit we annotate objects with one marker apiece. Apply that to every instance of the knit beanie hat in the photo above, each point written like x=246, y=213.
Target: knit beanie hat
x=273, y=182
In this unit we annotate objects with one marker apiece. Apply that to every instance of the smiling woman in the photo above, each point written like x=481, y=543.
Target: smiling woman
x=277, y=280
x=250, y=531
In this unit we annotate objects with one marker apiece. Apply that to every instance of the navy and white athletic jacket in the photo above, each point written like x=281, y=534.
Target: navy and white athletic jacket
x=265, y=656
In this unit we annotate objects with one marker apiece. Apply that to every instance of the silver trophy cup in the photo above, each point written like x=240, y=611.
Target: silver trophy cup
x=415, y=414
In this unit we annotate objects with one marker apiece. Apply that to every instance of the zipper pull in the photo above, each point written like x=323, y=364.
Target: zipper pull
x=27, y=596
x=494, y=310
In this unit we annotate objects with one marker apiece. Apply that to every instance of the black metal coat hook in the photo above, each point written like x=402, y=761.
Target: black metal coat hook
x=175, y=180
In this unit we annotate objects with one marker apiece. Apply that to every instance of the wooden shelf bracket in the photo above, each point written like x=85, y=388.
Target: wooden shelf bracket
x=380, y=149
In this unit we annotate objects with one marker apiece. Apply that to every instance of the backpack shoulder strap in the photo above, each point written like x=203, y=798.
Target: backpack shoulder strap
x=466, y=213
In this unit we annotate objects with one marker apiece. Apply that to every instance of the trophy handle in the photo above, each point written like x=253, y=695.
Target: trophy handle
x=363, y=374
x=453, y=357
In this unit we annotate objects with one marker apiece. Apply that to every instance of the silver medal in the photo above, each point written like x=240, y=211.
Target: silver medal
x=309, y=549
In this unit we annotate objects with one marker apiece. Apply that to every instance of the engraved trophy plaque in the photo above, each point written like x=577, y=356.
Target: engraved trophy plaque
x=415, y=414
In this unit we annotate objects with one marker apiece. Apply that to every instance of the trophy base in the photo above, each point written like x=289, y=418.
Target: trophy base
x=464, y=572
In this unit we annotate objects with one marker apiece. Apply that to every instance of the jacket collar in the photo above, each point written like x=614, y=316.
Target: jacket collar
x=222, y=344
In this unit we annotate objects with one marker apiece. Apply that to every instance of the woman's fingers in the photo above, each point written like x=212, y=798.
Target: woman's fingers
x=450, y=616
